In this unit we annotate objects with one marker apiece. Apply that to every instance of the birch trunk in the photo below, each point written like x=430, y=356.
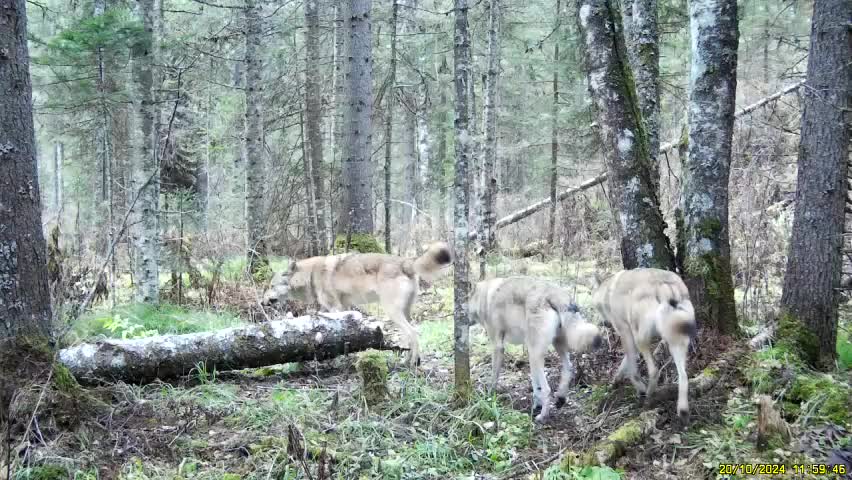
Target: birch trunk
x=712, y=97
x=642, y=37
x=358, y=167
x=253, y=144
x=814, y=264
x=461, y=194
x=424, y=149
x=488, y=182
x=24, y=294
x=313, y=106
x=145, y=175
x=632, y=193
x=389, y=104
x=299, y=339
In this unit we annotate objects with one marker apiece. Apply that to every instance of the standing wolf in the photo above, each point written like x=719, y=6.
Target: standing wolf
x=642, y=304
x=536, y=313
x=338, y=282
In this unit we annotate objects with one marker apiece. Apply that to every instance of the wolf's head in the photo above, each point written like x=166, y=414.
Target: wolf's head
x=580, y=334
x=293, y=283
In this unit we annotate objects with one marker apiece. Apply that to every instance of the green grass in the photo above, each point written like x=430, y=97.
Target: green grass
x=844, y=350
x=138, y=319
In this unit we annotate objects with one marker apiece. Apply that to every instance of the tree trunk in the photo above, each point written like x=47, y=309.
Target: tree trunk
x=632, y=193
x=341, y=11
x=424, y=149
x=642, y=38
x=58, y=160
x=311, y=203
x=24, y=294
x=461, y=193
x=712, y=96
x=554, y=132
x=313, y=105
x=389, y=104
x=253, y=144
x=409, y=141
x=299, y=339
x=440, y=161
x=488, y=182
x=358, y=167
x=145, y=171
x=814, y=264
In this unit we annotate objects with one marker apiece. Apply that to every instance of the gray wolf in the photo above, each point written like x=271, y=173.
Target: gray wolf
x=537, y=314
x=641, y=305
x=339, y=282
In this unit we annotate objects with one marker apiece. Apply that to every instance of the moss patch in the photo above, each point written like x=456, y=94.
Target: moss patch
x=795, y=337
x=372, y=366
x=822, y=397
x=361, y=243
x=613, y=446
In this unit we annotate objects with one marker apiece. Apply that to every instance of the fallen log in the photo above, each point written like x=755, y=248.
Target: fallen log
x=614, y=446
x=708, y=378
x=531, y=209
x=305, y=338
x=664, y=148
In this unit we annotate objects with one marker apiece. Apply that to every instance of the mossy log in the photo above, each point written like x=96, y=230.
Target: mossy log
x=708, y=378
x=614, y=446
x=306, y=338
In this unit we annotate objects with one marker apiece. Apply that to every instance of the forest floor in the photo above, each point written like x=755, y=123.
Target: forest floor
x=309, y=421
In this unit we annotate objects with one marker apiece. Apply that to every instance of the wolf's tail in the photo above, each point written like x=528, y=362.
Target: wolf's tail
x=680, y=314
x=432, y=264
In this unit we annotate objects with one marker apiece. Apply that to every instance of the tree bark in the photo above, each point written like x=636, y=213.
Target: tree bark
x=409, y=141
x=253, y=143
x=58, y=161
x=642, y=37
x=424, y=148
x=145, y=170
x=632, y=193
x=815, y=262
x=440, y=161
x=256, y=345
x=554, y=132
x=313, y=106
x=488, y=182
x=311, y=203
x=358, y=167
x=389, y=99
x=24, y=294
x=461, y=208
x=338, y=128
x=712, y=101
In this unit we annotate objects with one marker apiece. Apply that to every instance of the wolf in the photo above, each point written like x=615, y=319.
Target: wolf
x=339, y=282
x=642, y=304
x=537, y=314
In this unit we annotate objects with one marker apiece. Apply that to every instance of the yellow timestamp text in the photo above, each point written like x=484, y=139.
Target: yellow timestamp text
x=781, y=469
